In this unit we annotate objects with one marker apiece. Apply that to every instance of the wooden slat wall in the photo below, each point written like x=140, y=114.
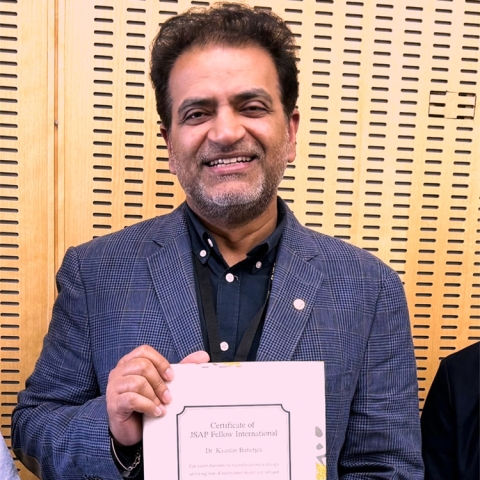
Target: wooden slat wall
x=26, y=192
x=389, y=149
x=388, y=156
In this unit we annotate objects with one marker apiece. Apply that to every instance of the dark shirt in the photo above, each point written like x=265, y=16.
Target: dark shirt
x=238, y=292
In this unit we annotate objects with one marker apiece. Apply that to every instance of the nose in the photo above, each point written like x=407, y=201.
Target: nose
x=226, y=127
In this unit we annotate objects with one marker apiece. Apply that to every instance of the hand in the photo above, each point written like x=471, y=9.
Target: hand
x=137, y=385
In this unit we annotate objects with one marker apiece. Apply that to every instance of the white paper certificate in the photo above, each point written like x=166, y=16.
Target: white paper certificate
x=255, y=420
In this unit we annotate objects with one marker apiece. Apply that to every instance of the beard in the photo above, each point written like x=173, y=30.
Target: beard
x=238, y=206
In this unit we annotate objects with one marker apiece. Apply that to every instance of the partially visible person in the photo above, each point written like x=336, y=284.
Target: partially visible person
x=7, y=467
x=450, y=419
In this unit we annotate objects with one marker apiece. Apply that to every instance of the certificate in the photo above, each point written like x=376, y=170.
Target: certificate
x=255, y=420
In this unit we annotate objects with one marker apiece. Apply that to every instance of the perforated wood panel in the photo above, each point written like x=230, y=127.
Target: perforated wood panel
x=393, y=156
x=116, y=167
x=389, y=154
x=26, y=193
x=388, y=150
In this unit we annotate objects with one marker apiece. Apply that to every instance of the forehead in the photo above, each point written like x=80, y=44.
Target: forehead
x=220, y=72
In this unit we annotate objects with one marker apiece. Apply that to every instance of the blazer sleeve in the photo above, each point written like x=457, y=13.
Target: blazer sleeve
x=60, y=426
x=383, y=438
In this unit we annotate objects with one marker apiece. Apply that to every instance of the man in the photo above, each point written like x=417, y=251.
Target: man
x=230, y=275
x=450, y=418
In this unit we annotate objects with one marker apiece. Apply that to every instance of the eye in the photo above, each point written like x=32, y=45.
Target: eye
x=195, y=117
x=255, y=110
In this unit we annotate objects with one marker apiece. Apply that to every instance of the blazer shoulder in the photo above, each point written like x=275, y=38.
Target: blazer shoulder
x=464, y=362
x=331, y=253
x=145, y=235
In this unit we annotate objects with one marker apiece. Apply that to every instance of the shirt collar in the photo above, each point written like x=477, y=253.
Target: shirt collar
x=203, y=244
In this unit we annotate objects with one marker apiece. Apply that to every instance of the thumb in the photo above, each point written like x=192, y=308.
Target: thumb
x=197, y=357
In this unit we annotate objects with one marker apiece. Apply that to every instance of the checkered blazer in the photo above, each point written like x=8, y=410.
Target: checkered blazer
x=137, y=287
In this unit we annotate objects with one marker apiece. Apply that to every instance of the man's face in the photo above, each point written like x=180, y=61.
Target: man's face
x=229, y=142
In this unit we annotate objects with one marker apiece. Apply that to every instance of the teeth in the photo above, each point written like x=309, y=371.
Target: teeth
x=229, y=161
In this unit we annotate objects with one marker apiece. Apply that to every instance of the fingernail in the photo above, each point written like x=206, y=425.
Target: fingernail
x=167, y=396
x=160, y=410
x=169, y=373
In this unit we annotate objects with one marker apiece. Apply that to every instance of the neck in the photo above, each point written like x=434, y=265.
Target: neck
x=235, y=241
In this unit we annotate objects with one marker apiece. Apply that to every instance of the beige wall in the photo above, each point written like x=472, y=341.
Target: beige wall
x=389, y=150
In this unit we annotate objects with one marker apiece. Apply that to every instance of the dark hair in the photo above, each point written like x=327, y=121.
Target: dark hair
x=225, y=24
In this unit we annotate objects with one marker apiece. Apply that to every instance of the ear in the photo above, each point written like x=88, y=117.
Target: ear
x=166, y=137
x=292, y=135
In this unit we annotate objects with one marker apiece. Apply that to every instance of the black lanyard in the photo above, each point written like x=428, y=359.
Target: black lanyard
x=211, y=322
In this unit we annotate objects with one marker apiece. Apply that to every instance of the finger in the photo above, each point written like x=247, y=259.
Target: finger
x=140, y=375
x=197, y=357
x=129, y=402
x=135, y=384
x=161, y=364
x=124, y=415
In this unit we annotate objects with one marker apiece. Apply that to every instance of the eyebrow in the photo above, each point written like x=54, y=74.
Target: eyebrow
x=254, y=93
x=195, y=102
x=240, y=97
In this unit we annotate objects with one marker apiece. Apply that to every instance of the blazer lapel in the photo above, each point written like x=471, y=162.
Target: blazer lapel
x=296, y=284
x=172, y=273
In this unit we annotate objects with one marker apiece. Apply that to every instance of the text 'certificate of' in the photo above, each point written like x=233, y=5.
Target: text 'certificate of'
x=256, y=420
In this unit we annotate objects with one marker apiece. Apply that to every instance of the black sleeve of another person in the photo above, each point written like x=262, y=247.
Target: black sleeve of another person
x=450, y=419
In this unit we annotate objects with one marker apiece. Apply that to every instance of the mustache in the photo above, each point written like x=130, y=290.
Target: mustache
x=244, y=148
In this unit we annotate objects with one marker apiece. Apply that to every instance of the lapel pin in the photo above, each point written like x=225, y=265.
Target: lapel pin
x=299, y=304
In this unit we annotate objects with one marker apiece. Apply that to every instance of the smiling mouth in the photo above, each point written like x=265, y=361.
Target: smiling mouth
x=229, y=161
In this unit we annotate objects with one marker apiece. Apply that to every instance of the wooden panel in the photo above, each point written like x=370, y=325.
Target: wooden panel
x=26, y=193
x=390, y=174
x=115, y=162
x=388, y=159
x=388, y=98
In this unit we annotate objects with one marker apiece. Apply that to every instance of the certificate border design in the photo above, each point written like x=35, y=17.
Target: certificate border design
x=239, y=405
